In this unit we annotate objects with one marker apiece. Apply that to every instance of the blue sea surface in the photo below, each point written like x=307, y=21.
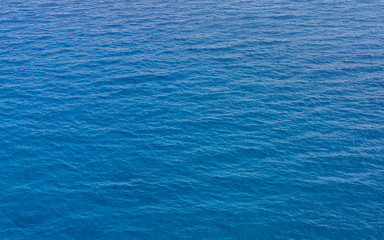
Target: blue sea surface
x=198, y=119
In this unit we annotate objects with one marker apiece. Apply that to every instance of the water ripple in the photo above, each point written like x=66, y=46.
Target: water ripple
x=191, y=120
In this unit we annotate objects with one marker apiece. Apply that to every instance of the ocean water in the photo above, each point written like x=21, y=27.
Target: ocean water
x=199, y=119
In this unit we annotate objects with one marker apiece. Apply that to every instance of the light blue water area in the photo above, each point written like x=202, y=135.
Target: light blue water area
x=200, y=119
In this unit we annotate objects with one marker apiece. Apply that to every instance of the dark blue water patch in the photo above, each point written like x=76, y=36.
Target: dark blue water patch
x=191, y=120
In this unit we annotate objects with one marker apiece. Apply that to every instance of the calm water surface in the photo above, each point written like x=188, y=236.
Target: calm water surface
x=201, y=119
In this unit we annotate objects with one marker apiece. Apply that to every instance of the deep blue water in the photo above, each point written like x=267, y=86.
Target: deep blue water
x=200, y=119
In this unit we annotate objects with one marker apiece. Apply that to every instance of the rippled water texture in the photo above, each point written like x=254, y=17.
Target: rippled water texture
x=202, y=119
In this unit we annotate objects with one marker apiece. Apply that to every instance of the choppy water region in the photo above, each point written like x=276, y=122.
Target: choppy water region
x=202, y=119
